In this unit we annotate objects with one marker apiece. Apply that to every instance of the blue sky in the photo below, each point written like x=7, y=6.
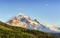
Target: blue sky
x=46, y=11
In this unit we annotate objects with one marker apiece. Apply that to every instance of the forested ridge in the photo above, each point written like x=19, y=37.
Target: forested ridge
x=7, y=31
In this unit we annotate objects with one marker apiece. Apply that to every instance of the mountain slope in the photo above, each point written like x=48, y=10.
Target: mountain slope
x=7, y=31
x=26, y=22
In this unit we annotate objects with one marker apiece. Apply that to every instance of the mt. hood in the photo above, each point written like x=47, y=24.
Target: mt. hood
x=21, y=20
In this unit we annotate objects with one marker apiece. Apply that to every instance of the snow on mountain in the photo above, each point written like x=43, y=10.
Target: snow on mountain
x=48, y=28
x=21, y=20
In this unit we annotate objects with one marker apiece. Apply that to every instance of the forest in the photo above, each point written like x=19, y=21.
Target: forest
x=7, y=31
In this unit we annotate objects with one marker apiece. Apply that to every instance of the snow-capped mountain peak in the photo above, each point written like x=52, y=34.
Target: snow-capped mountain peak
x=24, y=21
x=20, y=14
x=21, y=19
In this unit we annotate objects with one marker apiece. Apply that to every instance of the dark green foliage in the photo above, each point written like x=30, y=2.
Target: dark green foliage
x=7, y=31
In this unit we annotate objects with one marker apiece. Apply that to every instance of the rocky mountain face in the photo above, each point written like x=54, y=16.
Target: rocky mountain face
x=21, y=20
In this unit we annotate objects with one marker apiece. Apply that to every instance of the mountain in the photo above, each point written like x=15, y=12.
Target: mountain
x=24, y=21
x=8, y=31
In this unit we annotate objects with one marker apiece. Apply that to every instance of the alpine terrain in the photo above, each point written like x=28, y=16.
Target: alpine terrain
x=22, y=26
x=24, y=21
